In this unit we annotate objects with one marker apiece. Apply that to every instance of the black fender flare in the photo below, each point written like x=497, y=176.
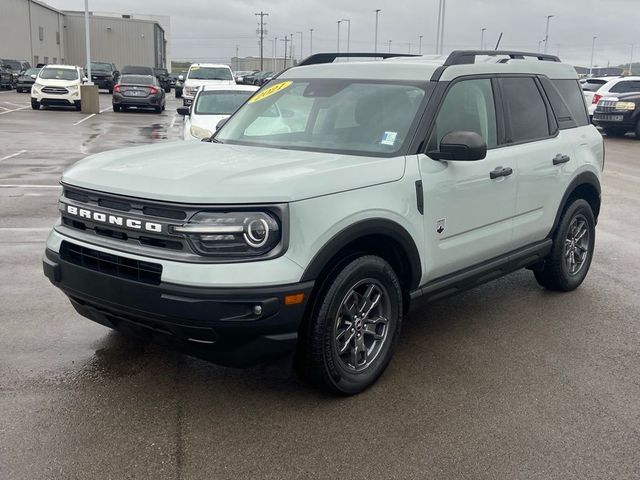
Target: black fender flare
x=584, y=178
x=364, y=228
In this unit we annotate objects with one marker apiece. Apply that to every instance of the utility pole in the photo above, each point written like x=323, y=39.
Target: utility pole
x=301, y=51
x=87, y=38
x=285, y=40
x=420, y=45
x=593, y=48
x=375, y=42
x=482, y=38
x=311, y=41
x=237, y=58
x=389, y=46
x=348, y=20
x=546, y=33
x=275, y=54
x=291, y=48
x=338, y=47
x=539, y=45
x=631, y=61
x=408, y=47
x=261, y=15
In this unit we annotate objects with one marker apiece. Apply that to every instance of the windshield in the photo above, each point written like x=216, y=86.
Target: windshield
x=347, y=116
x=13, y=64
x=32, y=71
x=220, y=102
x=59, y=73
x=136, y=80
x=210, y=73
x=99, y=66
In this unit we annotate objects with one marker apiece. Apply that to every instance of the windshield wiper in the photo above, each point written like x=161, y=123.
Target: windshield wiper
x=212, y=139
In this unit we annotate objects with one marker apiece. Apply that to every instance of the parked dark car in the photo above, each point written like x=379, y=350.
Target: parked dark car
x=104, y=75
x=180, y=84
x=26, y=80
x=262, y=78
x=6, y=79
x=250, y=78
x=140, y=91
x=173, y=78
x=163, y=77
x=619, y=115
x=16, y=67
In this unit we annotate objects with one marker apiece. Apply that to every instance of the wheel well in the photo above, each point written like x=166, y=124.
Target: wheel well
x=589, y=193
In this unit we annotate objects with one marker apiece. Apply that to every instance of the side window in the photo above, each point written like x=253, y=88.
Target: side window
x=626, y=86
x=571, y=94
x=525, y=110
x=468, y=106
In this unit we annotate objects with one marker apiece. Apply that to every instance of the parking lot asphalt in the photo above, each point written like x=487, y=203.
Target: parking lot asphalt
x=504, y=381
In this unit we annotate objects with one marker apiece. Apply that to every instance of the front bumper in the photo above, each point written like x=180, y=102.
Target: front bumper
x=230, y=326
x=618, y=119
x=44, y=98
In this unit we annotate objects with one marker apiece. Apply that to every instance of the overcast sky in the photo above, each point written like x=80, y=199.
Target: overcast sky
x=211, y=29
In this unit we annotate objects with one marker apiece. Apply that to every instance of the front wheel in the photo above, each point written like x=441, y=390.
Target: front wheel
x=573, y=242
x=354, y=327
x=77, y=105
x=35, y=104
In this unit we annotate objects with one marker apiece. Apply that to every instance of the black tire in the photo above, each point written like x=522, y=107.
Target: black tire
x=110, y=89
x=555, y=273
x=637, y=130
x=18, y=90
x=35, y=104
x=615, y=131
x=178, y=94
x=320, y=361
x=167, y=90
x=158, y=109
x=116, y=108
x=78, y=105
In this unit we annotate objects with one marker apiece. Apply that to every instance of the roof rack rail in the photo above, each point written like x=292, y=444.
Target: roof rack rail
x=329, y=57
x=465, y=57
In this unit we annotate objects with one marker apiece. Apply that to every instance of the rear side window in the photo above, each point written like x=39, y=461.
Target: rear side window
x=574, y=99
x=626, y=86
x=525, y=110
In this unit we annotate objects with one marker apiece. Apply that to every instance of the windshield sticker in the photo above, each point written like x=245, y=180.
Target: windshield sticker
x=270, y=91
x=389, y=138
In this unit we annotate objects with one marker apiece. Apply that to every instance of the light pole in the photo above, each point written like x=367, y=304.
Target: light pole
x=338, y=47
x=539, y=45
x=389, y=46
x=300, y=44
x=348, y=20
x=482, y=38
x=275, y=54
x=444, y=8
x=438, y=29
x=311, y=41
x=593, y=49
x=87, y=39
x=375, y=42
x=546, y=33
x=420, y=44
x=631, y=61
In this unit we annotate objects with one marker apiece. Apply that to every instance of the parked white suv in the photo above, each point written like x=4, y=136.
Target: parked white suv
x=394, y=180
x=58, y=85
x=212, y=104
x=201, y=74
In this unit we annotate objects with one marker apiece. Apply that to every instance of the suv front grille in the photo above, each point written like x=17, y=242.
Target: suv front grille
x=55, y=90
x=109, y=264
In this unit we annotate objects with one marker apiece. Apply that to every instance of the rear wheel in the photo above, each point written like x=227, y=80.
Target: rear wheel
x=110, y=89
x=573, y=242
x=178, y=94
x=615, y=131
x=354, y=327
x=35, y=104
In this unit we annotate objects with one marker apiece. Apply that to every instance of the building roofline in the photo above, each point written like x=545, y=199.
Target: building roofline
x=115, y=16
x=47, y=6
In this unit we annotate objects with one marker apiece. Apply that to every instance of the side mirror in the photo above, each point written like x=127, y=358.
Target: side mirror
x=85, y=79
x=460, y=146
x=184, y=111
x=33, y=76
x=181, y=77
x=221, y=123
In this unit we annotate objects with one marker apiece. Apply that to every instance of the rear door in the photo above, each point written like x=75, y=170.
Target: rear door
x=467, y=213
x=543, y=154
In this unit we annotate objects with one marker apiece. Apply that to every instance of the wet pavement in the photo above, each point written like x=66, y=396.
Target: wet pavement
x=504, y=381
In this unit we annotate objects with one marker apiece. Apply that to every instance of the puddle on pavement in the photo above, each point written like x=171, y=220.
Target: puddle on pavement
x=155, y=132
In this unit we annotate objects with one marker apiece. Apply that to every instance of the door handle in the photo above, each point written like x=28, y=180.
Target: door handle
x=560, y=158
x=500, y=172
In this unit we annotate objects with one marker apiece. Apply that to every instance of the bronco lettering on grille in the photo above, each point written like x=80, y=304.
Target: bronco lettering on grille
x=116, y=220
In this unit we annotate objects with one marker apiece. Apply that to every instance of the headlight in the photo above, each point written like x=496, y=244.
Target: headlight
x=625, y=106
x=200, y=133
x=232, y=234
x=37, y=84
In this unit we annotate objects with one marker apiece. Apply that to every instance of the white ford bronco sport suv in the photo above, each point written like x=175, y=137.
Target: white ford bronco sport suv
x=393, y=180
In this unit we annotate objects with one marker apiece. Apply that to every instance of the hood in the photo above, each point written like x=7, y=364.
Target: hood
x=53, y=82
x=202, y=172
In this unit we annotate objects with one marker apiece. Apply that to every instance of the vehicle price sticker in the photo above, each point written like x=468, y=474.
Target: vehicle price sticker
x=270, y=91
x=389, y=138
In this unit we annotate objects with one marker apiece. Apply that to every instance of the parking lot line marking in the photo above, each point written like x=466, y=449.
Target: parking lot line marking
x=173, y=121
x=85, y=118
x=16, y=104
x=105, y=109
x=14, y=110
x=30, y=186
x=13, y=155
